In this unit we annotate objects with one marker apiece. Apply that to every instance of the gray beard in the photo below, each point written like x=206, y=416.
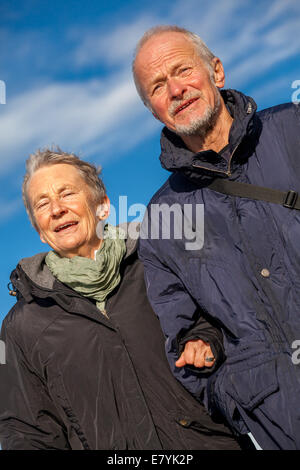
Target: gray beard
x=202, y=125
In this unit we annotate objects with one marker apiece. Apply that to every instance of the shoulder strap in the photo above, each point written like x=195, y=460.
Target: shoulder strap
x=287, y=199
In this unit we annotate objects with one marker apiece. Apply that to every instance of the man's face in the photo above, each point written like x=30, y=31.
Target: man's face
x=176, y=82
x=64, y=211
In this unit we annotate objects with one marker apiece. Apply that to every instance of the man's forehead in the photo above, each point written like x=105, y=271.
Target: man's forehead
x=163, y=50
x=164, y=41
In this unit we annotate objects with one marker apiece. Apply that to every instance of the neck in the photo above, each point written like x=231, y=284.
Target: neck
x=85, y=251
x=216, y=138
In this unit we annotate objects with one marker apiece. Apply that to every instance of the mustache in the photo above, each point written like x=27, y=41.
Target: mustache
x=178, y=102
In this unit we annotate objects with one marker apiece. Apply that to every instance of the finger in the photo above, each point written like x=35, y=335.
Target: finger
x=202, y=349
x=189, y=352
x=209, y=358
x=200, y=357
x=181, y=361
x=209, y=361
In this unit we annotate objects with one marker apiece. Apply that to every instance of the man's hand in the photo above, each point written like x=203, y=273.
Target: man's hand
x=197, y=353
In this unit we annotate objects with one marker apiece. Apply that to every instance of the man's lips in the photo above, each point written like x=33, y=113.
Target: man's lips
x=65, y=226
x=185, y=105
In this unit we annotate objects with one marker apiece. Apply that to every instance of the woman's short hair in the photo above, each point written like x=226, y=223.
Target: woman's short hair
x=54, y=156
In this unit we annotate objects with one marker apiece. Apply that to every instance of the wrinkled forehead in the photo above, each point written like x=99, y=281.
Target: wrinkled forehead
x=53, y=178
x=163, y=45
x=162, y=54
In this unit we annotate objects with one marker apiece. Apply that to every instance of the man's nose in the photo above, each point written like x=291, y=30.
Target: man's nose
x=176, y=88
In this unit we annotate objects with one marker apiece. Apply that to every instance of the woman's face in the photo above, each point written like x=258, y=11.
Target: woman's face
x=64, y=210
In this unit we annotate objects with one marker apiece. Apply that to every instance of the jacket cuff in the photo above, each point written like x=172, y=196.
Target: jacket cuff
x=215, y=344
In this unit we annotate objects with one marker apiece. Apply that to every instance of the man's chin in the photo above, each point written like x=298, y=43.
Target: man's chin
x=198, y=129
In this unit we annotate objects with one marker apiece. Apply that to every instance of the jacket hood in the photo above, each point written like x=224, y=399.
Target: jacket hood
x=176, y=156
x=32, y=274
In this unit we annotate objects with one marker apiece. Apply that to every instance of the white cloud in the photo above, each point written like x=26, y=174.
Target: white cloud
x=275, y=47
x=249, y=40
x=113, y=47
x=116, y=46
x=106, y=117
x=86, y=116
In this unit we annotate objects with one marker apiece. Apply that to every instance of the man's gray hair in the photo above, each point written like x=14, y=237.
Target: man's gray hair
x=54, y=156
x=201, y=48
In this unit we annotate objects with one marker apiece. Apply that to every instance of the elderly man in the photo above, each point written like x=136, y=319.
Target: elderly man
x=243, y=168
x=85, y=363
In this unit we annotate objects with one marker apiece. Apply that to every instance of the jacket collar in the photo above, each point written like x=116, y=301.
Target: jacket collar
x=33, y=277
x=176, y=157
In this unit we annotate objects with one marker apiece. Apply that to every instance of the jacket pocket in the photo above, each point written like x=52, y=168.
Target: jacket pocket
x=245, y=385
x=251, y=386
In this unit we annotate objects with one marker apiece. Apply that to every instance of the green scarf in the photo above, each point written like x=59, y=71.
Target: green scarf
x=92, y=278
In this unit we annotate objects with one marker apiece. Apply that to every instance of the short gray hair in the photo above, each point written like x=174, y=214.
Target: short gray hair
x=203, y=51
x=54, y=156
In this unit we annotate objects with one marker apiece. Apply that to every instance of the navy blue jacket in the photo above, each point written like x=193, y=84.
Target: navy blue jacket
x=246, y=276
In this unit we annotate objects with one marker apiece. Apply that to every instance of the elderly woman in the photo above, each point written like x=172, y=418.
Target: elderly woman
x=85, y=363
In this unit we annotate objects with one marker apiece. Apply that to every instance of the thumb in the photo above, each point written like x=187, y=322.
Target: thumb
x=181, y=361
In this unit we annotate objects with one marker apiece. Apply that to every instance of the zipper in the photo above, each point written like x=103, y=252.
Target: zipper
x=136, y=378
x=228, y=172
x=279, y=333
x=272, y=324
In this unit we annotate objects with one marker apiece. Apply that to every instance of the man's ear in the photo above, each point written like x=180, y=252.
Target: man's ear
x=219, y=74
x=103, y=209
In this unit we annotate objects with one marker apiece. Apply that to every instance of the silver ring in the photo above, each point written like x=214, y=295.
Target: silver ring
x=209, y=359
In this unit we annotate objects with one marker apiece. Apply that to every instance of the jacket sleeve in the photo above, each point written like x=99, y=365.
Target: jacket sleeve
x=180, y=319
x=28, y=419
x=208, y=333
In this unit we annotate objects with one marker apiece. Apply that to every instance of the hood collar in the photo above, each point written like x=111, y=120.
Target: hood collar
x=176, y=156
x=34, y=269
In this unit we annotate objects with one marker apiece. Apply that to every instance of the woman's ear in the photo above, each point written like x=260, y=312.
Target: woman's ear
x=103, y=209
x=40, y=234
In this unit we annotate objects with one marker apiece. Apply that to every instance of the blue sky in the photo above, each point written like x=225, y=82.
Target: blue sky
x=67, y=70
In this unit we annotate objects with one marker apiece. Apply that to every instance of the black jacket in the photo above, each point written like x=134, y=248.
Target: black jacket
x=74, y=379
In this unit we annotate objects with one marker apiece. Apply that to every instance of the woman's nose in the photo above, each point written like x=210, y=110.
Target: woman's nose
x=57, y=208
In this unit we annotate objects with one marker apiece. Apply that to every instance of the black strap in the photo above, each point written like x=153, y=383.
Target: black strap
x=287, y=199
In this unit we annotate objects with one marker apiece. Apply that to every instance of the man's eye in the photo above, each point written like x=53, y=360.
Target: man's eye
x=70, y=193
x=157, y=88
x=184, y=70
